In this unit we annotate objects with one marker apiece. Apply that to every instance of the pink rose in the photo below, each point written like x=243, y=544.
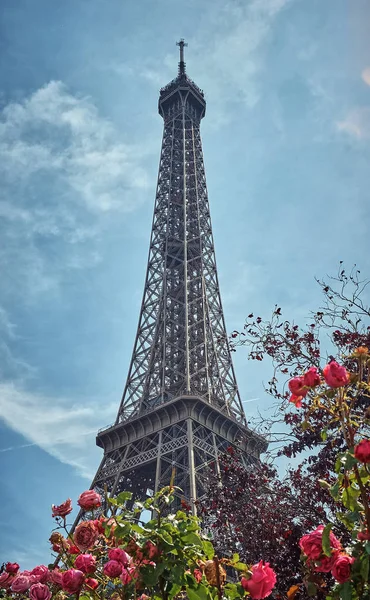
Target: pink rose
x=72, y=581
x=262, y=581
x=113, y=568
x=62, y=510
x=298, y=387
x=312, y=377
x=92, y=583
x=39, y=591
x=341, y=570
x=126, y=576
x=89, y=499
x=12, y=568
x=152, y=549
x=86, y=563
x=41, y=573
x=198, y=575
x=362, y=451
x=85, y=535
x=311, y=544
x=296, y=400
x=21, y=583
x=6, y=580
x=335, y=375
x=363, y=536
x=119, y=555
x=55, y=576
x=326, y=563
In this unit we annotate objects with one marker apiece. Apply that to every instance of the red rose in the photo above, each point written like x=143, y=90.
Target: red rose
x=312, y=377
x=297, y=387
x=92, y=583
x=6, y=580
x=41, y=573
x=198, y=575
x=12, y=568
x=335, y=375
x=86, y=563
x=296, y=400
x=311, y=544
x=72, y=581
x=99, y=524
x=39, y=591
x=85, y=535
x=362, y=451
x=341, y=570
x=261, y=582
x=113, y=568
x=120, y=556
x=326, y=563
x=363, y=536
x=62, y=510
x=89, y=500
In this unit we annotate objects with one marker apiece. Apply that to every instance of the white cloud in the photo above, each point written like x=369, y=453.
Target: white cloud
x=227, y=54
x=365, y=75
x=64, y=137
x=64, y=430
x=356, y=124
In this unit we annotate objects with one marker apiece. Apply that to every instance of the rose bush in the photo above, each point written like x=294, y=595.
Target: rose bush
x=120, y=557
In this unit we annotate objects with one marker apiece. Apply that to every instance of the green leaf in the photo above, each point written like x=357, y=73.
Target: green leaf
x=324, y=434
x=233, y=591
x=364, y=569
x=311, y=589
x=349, y=461
x=175, y=588
x=367, y=547
x=326, y=548
x=199, y=593
x=345, y=591
x=123, y=497
x=122, y=530
x=209, y=550
x=334, y=491
x=149, y=575
x=191, y=538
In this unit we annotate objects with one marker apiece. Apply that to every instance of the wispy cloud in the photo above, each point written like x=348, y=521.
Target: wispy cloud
x=64, y=169
x=227, y=54
x=356, y=123
x=63, y=136
x=64, y=430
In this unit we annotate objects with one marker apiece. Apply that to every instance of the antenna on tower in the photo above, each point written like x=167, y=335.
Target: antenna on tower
x=182, y=64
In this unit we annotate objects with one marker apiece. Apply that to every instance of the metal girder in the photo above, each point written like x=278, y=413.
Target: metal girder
x=181, y=407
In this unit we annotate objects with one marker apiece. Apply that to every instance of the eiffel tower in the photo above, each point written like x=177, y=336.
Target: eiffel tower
x=181, y=406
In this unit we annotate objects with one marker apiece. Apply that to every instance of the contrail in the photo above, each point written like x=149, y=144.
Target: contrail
x=57, y=441
x=251, y=400
x=16, y=447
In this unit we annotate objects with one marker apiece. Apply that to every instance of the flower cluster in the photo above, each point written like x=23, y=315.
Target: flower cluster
x=118, y=555
x=334, y=375
x=335, y=561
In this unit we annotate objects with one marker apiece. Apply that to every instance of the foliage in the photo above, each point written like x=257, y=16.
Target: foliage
x=118, y=556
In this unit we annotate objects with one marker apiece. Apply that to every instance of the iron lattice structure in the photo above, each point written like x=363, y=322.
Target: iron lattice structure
x=181, y=405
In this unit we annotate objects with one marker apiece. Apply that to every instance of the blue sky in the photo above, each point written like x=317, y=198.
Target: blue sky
x=287, y=148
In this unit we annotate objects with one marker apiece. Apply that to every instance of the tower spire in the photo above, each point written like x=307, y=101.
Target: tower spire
x=182, y=64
